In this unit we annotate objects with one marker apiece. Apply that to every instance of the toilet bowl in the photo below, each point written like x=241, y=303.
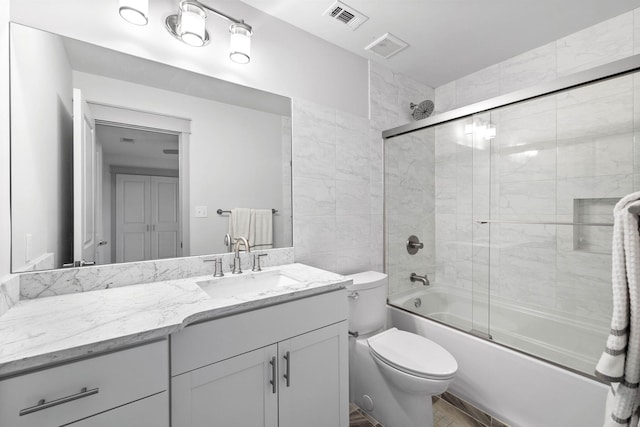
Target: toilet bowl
x=393, y=373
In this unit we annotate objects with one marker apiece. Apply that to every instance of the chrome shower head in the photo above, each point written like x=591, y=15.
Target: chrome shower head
x=422, y=110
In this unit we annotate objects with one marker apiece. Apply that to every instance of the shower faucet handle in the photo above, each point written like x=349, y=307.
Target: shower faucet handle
x=414, y=245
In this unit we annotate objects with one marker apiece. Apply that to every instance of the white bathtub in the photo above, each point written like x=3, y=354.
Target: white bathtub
x=518, y=389
x=570, y=343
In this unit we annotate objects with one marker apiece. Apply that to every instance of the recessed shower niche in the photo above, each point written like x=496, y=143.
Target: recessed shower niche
x=593, y=224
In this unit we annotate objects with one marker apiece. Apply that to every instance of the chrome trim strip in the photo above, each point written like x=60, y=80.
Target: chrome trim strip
x=601, y=72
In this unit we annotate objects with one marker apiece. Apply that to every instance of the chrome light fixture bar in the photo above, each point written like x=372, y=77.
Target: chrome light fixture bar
x=188, y=26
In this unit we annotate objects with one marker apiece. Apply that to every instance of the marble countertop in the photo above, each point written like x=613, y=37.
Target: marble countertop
x=41, y=331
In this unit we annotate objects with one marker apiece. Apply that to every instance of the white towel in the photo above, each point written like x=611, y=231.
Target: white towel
x=261, y=229
x=620, y=362
x=239, y=223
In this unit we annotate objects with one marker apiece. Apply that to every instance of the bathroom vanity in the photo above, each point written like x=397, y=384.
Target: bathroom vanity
x=286, y=362
x=265, y=348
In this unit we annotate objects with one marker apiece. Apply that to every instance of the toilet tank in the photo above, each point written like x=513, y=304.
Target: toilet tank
x=367, y=302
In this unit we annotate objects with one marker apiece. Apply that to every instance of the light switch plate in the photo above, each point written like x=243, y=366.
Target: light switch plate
x=201, y=212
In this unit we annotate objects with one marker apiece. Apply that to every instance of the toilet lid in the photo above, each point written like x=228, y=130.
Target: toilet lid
x=413, y=354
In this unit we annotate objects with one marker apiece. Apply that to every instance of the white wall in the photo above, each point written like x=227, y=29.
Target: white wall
x=285, y=60
x=41, y=110
x=5, y=216
x=231, y=164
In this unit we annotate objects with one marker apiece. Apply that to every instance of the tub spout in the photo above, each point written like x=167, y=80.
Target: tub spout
x=422, y=279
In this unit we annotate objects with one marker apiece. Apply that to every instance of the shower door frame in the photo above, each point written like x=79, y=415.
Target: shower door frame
x=592, y=75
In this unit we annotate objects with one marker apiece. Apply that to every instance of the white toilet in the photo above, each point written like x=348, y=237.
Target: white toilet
x=393, y=374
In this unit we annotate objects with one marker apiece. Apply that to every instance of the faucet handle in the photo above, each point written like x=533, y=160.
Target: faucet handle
x=256, y=262
x=218, y=268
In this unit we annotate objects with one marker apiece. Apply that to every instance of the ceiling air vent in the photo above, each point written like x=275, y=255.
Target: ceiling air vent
x=345, y=14
x=387, y=45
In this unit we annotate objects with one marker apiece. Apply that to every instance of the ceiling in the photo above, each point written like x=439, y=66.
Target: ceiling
x=137, y=143
x=448, y=38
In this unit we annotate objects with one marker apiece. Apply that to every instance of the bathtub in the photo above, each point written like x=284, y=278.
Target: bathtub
x=570, y=343
x=519, y=389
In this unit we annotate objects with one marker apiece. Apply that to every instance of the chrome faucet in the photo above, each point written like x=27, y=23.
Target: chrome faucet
x=422, y=279
x=236, y=259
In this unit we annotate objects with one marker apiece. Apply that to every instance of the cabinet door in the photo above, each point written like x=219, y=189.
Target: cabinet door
x=150, y=412
x=314, y=378
x=234, y=392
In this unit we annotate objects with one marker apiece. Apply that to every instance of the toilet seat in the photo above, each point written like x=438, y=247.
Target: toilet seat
x=413, y=354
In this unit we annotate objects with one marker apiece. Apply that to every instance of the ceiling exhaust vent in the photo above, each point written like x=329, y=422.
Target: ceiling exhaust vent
x=387, y=45
x=345, y=14
x=128, y=140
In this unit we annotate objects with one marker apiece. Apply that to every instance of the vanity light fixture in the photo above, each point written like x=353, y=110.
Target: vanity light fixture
x=135, y=11
x=188, y=26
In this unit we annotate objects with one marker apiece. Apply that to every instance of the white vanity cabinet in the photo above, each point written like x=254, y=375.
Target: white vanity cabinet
x=284, y=365
x=127, y=388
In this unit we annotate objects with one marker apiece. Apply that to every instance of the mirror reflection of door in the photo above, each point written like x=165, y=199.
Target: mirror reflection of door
x=140, y=197
x=146, y=217
x=84, y=183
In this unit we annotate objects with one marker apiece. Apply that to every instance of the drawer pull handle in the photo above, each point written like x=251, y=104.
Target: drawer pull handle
x=274, y=375
x=287, y=376
x=46, y=405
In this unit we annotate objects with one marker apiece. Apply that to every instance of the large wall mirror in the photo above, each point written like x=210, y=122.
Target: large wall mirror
x=115, y=158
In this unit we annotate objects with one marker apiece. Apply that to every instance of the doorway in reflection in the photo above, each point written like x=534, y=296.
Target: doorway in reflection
x=138, y=190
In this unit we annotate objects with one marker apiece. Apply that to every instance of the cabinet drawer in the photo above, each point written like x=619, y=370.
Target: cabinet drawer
x=152, y=411
x=107, y=381
x=205, y=343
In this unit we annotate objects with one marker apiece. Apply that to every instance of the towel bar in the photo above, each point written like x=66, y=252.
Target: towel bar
x=220, y=211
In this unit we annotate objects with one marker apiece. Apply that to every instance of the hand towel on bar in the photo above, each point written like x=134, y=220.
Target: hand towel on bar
x=620, y=361
x=239, y=221
x=261, y=229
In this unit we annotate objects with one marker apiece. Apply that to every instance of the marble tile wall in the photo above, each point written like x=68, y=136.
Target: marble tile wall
x=9, y=292
x=614, y=39
x=410, y=207
x=337, y=212
x=338, y=175
x=410, y=210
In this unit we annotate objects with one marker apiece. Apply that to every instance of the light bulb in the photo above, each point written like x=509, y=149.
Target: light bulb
x=192, y=24
x=240, y=43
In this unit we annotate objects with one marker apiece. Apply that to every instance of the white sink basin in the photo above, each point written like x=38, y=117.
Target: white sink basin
x=244, y=284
